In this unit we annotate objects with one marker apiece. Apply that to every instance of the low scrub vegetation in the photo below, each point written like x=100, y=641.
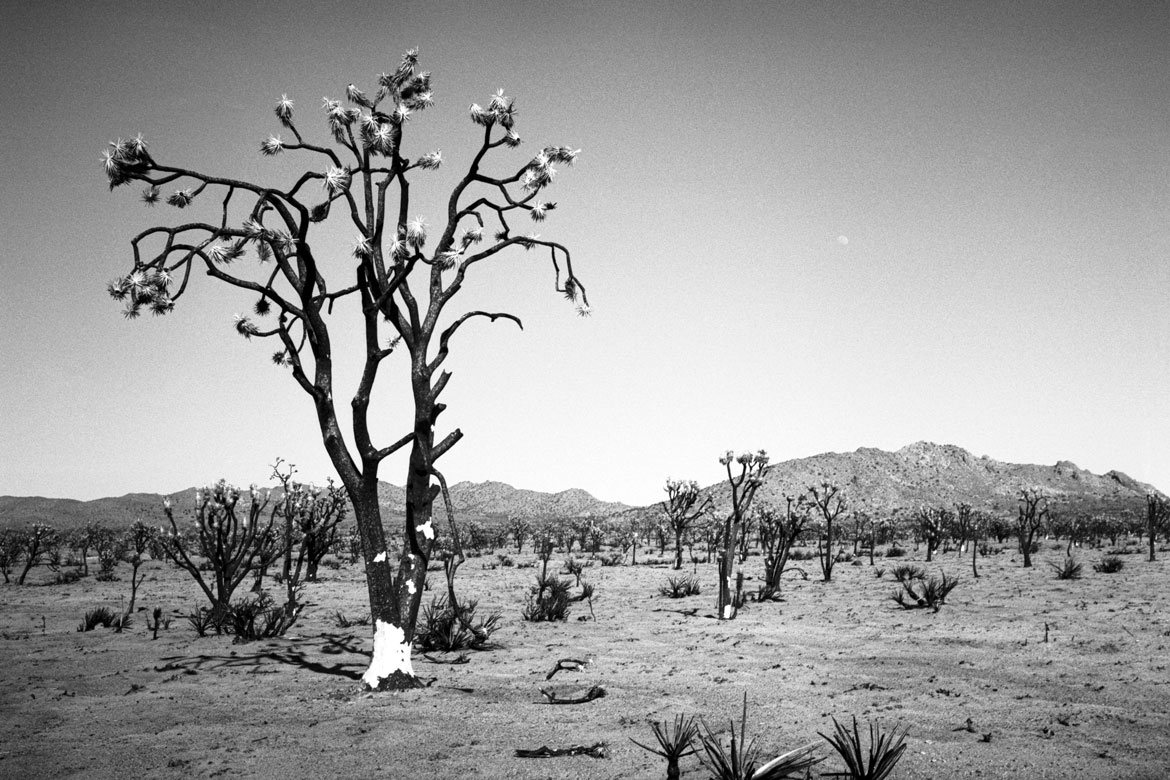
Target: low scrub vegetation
x=920, y=593
x=680, y=587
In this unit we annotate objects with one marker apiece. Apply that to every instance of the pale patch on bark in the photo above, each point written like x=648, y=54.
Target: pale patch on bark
x=727, y=610
x=410, y=588
x=426, y=529
x=380, y=557
x=391, y=654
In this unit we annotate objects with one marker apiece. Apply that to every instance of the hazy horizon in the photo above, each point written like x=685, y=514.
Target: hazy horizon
x=804, y=227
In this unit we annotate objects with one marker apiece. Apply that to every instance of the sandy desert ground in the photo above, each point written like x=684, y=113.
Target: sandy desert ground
x=1090, y=702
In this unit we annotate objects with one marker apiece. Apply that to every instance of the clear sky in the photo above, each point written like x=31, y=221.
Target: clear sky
x=805, y=227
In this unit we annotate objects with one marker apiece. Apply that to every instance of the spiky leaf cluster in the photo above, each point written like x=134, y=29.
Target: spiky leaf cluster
x=123, y=159
x=143, y=289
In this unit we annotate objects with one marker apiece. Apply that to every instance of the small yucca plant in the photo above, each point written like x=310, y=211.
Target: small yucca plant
x=674, y=742
x=885, y=750
x=1070, y=569
x=738, y=762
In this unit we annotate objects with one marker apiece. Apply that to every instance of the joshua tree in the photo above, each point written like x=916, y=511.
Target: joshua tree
x=1157, y=513
x=520, y=529
x=1033, y=512
x=400, y=287
x=829, y=502
x=681, y=511
x=743, y=487
x=9, y=551
x=932, y=524
x=134, y=545
x=38, y=544
x=229, y=539
x=777, y=534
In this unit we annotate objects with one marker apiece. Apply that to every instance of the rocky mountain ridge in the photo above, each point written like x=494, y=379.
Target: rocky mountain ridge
x=874, y=481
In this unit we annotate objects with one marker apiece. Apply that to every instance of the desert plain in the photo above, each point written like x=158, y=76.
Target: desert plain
x=1019, y=674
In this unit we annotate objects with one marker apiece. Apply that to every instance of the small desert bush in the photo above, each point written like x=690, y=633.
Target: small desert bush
x=673, y=742
x=740, y=761
x=895, y=552
x=905, y=572
x=505, y=560
x=576, y=568
x=548, y=600
x=1110, y=564
x=99, y=617
x=259, y=618
x=680, y=587
x=875, y=763
x=67, y=577
x=612, y=559
x=342, y=621
x=801, y=555
x=1069, y=569
x=442, y=628
x=921, y=594
x=204, y=620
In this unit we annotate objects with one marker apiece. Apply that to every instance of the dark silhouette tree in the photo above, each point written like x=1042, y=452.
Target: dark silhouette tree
x=1033, y=512
x=398, y=284
x=1157, y=515
x=829, y=502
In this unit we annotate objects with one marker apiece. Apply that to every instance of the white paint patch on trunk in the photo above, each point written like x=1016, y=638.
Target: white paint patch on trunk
x=391, y=654
x=410, y=588
x=426, y=529
x=380, y=557
x=726, y=614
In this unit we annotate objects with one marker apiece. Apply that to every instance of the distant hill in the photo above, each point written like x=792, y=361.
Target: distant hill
x=923, y=473
x=874, y=480
x=485, y=500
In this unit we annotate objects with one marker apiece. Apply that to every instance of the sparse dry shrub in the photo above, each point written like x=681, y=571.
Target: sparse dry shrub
x=680, y=587
x=342, y=621
x=612, y=559
x=1069, y=569
x=441, y=628
x=907, y=571
x=259, y=618
x=1110, y=564
x=924, y=594
x=99, y=617
x=548, y=600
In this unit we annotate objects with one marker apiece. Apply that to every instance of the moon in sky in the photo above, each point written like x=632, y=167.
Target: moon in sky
x=842, y=240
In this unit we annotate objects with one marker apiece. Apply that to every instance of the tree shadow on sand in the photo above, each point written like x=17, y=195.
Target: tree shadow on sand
x=299, y=652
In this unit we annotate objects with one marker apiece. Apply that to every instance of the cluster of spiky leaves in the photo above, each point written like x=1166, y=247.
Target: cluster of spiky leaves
x=877, y=762
x=143, y=288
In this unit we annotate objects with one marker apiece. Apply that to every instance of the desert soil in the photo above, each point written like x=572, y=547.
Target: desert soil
x=1091, y=701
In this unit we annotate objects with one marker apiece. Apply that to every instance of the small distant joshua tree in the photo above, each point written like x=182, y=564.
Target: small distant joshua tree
x=38, y=544
x=1157, y=515
x=9, y=551
x=829, y=503
x=777, y=534
x=933, y=523
x=742, y=486
x=402, y=289
x=520, y=529
x=1033, y=512
x=227, y=535
x=134, y=545
x=682, y=508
